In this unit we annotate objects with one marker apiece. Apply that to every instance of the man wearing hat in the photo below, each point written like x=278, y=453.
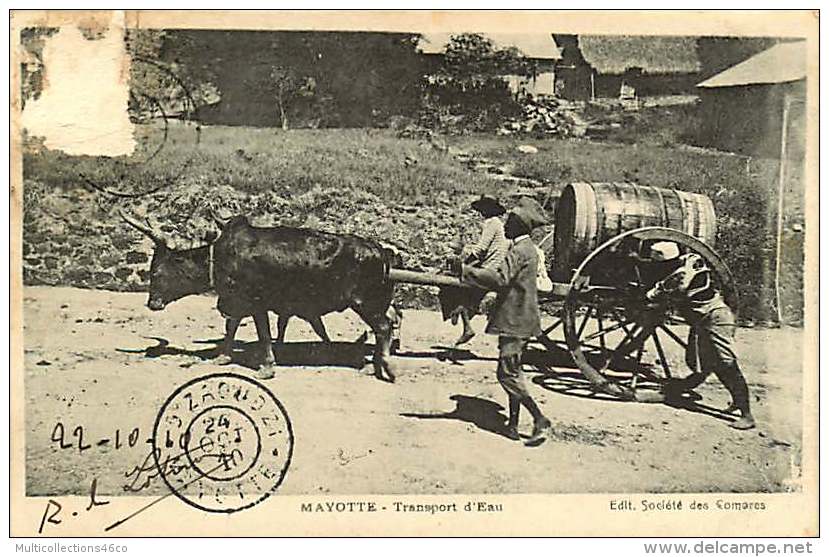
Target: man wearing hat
x=487, y=253
x=514, y=317
x=689, y=287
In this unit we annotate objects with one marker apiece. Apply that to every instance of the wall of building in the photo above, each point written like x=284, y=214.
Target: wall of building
x=573, y=82
x=646, y=85
x=540, y=84
x=748, y=119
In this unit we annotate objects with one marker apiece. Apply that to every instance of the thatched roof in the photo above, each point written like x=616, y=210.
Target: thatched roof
x=532, y=45
x=655, y=55
x=782, y=63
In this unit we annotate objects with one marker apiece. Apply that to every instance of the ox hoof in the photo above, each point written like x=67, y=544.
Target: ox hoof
x=384, y=372
x=390, y=378
x=223, y=360
x=745, y=422
x=265, y=372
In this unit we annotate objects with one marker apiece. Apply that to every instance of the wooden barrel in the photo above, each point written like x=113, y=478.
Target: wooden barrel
x=590, y=213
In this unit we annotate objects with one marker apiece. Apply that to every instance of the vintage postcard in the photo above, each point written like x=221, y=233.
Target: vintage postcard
x=414, y=273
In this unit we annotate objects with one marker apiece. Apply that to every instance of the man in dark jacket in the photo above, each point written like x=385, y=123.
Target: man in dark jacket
x=514, y=317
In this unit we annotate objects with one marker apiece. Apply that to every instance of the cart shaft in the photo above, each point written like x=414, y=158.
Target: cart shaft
x=433, y=279
x=418, y=277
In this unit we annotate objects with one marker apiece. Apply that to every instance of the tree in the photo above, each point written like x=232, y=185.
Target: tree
x=471, y=63
x=324, y=78
x=158, y=83
x=151, y=86
x=286, y=85
x=471, y=77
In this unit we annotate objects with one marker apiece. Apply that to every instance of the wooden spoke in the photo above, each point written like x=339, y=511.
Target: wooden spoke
x=616, y=327
x=601, y=328
x=552, y=327
x=676, y=320
x=584, y=321
x=630, y=343
x=639, y=354
x=665, y=366
x=674, y=336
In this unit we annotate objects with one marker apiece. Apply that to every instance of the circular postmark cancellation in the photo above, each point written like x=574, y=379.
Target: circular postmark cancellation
x=222, y=443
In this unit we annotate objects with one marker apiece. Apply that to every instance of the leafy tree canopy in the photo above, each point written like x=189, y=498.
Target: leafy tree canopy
x=472, y=61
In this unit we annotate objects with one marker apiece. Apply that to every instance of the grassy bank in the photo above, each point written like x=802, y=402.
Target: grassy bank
x=366, y=182
x=256, y=160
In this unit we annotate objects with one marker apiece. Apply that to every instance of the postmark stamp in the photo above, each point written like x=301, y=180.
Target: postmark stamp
x=222, y=443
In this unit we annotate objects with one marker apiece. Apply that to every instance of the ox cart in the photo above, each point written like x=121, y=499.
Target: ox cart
x=614, y=335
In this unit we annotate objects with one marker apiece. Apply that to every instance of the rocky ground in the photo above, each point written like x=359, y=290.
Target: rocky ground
x=100, y=364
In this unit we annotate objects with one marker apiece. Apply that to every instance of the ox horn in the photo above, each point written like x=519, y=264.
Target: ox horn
x=154, y=235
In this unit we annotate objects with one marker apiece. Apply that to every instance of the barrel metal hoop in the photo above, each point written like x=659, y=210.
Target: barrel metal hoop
x=683, y=210
x=619, y=192
x=594, y=231
x=662, y=205
x=712, y=222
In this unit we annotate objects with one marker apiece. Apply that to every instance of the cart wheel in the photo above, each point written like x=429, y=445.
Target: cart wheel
x=545, y=338
x=616, y=337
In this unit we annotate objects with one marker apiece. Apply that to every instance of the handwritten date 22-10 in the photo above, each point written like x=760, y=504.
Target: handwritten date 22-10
x=77, y=440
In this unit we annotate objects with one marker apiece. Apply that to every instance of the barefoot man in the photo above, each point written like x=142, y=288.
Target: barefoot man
x=487, y=253
x=690, y=289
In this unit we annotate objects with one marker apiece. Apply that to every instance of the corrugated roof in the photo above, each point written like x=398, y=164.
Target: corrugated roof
x=535, y=45
x=655, y=55
x=782, y=63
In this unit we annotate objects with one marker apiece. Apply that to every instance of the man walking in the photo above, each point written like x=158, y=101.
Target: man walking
x=514, y=317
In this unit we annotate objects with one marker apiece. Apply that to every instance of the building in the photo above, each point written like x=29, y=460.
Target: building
x=599, y=66
x=540, y=49
x=743, y=108
x=573, y=74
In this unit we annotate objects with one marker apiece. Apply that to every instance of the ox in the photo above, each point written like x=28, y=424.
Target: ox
x=290, y=271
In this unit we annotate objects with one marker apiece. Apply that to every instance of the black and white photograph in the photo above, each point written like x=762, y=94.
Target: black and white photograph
x=406, y=272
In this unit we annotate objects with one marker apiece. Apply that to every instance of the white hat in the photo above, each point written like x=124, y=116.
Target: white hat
x=664, y=251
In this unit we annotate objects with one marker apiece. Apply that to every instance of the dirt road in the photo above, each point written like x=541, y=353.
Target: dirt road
x=100, y=364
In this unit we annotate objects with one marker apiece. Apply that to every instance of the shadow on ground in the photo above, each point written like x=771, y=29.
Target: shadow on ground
x=247, y=354
x=449, y=354
x=483, y=414
x=547, y=373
